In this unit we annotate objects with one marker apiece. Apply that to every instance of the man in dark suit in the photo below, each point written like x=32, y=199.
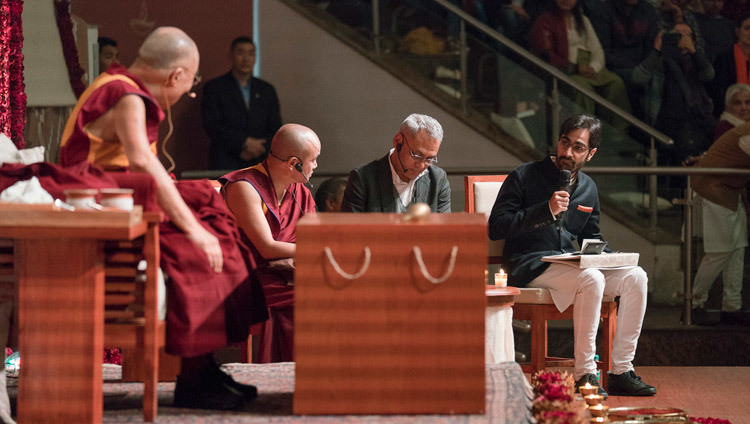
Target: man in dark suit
x=240, y=113
x=539, y=213
x=406, y=175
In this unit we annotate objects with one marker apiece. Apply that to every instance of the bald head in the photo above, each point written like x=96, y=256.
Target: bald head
x=167, y=47
x=294, y=140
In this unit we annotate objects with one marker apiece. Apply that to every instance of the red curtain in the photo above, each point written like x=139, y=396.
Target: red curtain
x=12, y=88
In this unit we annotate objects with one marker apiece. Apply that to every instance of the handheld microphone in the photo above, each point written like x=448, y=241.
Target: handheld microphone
x=298, y=167
x=398, y=156
x=564, y=185
x=564, y=179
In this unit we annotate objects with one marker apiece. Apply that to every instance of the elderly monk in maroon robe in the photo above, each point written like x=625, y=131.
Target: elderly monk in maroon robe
x=210, y=299
x=268, y=199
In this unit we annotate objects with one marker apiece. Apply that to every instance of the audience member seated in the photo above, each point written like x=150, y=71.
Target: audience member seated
x=406, y=175
x=268, y=199
x=732, y=66
x=108, y=53
x=737, y=110
x=566, y=39
x=676, y=102
x=240, y=113
x=211, y=299
x=716, y=29
x=536, y=218
x=626, y=31
x=724, y=227
x=673, y=12
x=330, y=194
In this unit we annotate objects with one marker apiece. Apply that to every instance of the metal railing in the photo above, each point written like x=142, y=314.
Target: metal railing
x=552, y=95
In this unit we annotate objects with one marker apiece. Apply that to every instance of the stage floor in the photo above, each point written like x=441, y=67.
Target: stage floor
x=717, y=392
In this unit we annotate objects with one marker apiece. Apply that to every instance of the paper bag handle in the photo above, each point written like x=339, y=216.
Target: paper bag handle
x=343, y=273
x=423, y=268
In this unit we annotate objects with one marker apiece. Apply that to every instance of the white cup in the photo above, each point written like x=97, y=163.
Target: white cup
x=81, y=198
x=120, y=198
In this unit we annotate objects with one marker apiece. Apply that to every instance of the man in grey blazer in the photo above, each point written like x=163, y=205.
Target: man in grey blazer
x=406, y=175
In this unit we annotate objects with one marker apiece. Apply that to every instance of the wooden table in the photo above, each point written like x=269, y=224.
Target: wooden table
x=499, y=345
x=59, y=263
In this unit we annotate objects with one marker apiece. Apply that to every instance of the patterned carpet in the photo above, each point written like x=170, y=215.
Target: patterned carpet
x=508, y=400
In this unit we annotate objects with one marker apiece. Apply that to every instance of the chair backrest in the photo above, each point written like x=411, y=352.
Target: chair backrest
x=480, y=192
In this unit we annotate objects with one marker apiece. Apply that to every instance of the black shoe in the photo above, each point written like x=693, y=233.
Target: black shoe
x=592, y=380
x=205, y=391
x=700, y=316
x=735, y=318
x=629, y=384
x=248, y=391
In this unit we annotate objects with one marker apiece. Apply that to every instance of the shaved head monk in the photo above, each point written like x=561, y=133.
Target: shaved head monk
x=268, y=199
x=210, y=302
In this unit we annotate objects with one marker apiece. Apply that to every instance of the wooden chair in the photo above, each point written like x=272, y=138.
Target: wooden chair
x=535, y=304
x=131, y=319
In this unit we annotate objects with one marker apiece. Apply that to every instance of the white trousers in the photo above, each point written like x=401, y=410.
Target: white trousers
x=731, y=267
x=585, y=288
x=724, y=241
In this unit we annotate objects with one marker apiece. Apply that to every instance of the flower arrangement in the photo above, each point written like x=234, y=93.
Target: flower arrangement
x=12, y=88
x=554, y=398
x=709, y=420
x=70, y=52
x=112, y=356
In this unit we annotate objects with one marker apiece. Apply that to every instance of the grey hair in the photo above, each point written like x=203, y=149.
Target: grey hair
x=734, y=90
x=417, y=122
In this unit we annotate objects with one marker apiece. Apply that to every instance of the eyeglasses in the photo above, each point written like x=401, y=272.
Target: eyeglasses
x=417, y=157
x=578, y=148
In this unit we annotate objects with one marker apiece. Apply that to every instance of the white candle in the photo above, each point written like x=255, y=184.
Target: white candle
x=501, y=279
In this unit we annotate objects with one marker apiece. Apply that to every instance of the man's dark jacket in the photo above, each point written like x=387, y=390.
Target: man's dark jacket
x=229, y=122
x=521, y=216
x=370, y=189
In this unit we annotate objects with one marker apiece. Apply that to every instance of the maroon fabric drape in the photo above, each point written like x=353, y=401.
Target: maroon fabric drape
x=12, y=88
x=65, y=28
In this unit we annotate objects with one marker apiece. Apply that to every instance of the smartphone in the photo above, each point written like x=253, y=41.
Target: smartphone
x=670, y=43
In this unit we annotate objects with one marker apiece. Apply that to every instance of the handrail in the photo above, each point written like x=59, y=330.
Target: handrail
x=591, y=170
x=613, y=170
x=556, y=73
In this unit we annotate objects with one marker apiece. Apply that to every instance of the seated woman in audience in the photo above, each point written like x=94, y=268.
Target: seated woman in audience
x=565, y=38
x=735, y=114
x=737, y=110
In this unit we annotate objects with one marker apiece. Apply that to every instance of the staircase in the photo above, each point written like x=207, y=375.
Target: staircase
x=322, y=69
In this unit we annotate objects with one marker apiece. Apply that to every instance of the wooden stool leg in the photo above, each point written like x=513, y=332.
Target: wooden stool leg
x=609, y=313
x=538, y=340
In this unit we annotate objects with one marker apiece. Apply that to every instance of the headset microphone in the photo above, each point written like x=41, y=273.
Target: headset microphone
x=298, y=167
x=398, y=150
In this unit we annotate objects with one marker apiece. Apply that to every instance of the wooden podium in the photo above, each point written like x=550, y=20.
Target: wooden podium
x=389, y=315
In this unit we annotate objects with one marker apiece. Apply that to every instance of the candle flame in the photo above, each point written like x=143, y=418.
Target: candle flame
x=503, y=273
x=588, y=385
